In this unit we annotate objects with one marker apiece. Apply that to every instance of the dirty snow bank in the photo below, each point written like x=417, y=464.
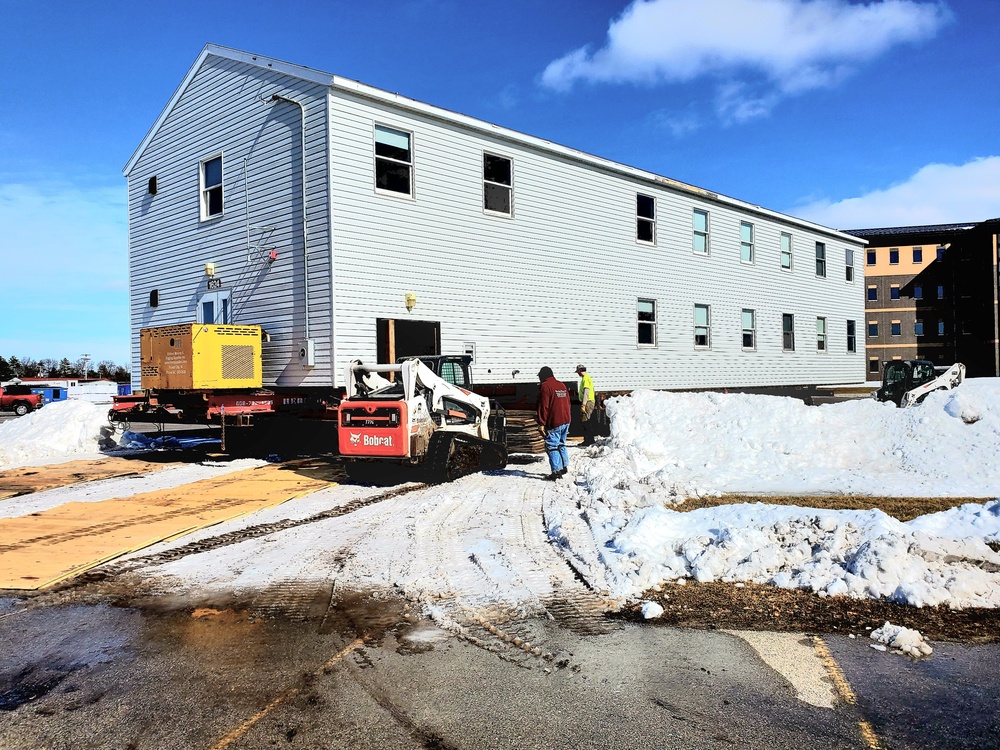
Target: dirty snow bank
x=665, y=447
x=63, y=428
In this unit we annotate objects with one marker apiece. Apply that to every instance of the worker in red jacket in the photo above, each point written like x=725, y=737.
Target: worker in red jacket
x=553, y=420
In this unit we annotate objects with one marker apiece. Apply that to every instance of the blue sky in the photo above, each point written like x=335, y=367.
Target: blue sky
x=851, y=114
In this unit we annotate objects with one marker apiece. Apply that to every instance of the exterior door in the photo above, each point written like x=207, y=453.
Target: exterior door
x=397, y=338
x=214, y=308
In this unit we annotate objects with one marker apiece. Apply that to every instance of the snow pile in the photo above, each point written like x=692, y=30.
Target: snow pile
x=58, y=429
x=651, y=610
x=901, y=640
x=622, y=531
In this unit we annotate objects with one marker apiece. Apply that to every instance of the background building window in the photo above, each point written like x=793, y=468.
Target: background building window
x=918, y=291
x=940, y=292
x=893, y=292
x=873, y=364
x=645, y=218
x=746, y=242
x=872, y=329
x=894, y=256
x=852, y=336
x=749, y=329
x=940, y=328
x=918, y=328
x=393, y=160
x=940, y=252
x=872, y=258
x=786, y=251
x=647, y=322
x=211, y=187
x=821, y=334
x=700, y=219
x=849, y=265
x=873, y=294
x=497, y=184
x=702, y=326
x=918, y=255
x=788, y=332
x=896, y=328
x=820, y=259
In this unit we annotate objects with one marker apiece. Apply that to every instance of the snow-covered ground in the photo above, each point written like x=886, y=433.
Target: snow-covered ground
x=620, y=526
x=60, y=431
x=481, y=541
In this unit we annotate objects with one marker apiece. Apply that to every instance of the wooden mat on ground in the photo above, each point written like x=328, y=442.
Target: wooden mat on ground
x=28, y=479
x=44, y=548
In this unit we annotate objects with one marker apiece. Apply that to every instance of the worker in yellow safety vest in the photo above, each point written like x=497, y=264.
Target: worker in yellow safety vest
x=588, y=399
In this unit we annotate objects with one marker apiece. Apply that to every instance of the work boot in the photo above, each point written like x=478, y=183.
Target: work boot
x=552, y=477
x=561, y=472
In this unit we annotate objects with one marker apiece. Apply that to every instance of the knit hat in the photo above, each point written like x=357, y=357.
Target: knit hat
x=545, y=373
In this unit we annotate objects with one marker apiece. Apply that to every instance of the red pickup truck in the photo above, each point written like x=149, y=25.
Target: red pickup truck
x=19, y=399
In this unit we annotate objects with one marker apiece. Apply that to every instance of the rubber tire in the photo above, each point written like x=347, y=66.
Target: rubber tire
x=21, y=408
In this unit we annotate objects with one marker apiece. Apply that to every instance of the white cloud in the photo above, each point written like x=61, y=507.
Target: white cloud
x=936, y=194
x=786, y=47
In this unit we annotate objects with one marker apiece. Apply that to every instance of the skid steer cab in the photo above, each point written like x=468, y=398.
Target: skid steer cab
x=906, y=382
x=405, y=417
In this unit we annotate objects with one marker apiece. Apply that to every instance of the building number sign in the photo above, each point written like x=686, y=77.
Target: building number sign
x=215, y=283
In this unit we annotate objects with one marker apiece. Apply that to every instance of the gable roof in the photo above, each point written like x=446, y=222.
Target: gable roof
x=495, y=131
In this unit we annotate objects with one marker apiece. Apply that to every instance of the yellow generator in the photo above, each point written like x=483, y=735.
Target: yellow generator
x=195, y=356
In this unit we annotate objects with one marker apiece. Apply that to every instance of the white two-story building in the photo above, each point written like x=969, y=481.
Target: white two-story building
x=352, y=222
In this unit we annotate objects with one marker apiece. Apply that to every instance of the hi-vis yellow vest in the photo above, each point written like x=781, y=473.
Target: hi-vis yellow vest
x=587, y=383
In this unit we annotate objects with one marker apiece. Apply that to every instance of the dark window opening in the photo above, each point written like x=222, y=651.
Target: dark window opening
x=645, y=218
x=393, y=160
x=497, y=184
x=788, y=332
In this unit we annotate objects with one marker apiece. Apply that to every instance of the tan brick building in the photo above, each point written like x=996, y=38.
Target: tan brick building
x=932, y=293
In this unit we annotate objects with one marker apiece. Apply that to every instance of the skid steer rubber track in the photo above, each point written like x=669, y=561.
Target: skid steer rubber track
x=451, y=455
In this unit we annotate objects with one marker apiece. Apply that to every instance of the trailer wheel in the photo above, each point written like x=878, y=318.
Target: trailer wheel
x=21, y=408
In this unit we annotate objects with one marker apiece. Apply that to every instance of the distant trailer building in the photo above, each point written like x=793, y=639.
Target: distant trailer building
x=352, y=222
x=932, y=293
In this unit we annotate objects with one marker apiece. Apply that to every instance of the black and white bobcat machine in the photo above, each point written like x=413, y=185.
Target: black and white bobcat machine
x=906, y=382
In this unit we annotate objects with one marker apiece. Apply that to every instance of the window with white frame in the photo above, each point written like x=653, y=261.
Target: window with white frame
x=788, y=332
x=852, y=336
x=821, y=259
x=214, y=308
x=702, y=326
x=645, y=218
x=849, y=265
x=749, y=320
x=821, y=334
x=393, y=160
x=647, y=322
x=211, y=187
x=786, y=251
x=746, y=242
x=498, y=184
x=701, y=243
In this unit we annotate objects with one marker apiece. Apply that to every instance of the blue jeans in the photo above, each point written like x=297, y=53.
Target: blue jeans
x=555, y=445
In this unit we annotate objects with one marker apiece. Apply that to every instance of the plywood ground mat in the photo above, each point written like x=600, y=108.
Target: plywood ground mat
x=28, y=479
x=44, y=548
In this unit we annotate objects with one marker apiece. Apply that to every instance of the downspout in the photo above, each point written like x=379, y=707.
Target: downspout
x=305, y=223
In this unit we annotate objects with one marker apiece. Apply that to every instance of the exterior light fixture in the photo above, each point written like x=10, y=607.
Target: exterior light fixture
x=210, y=269
x=411, y=301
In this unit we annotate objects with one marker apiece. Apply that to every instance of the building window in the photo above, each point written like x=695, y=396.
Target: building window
x=873, y=294
x=393, y=160
x=918, y=255
x=786, y=251
x=645, y=218
x=749, y=330
x=647, y=322
x=788, y=332
x=918, y=328
x=497, y=184
x=918, y=291
x=849, y=265
x=852, y=336
x=896, y=328
x=702, y=326
x=873, y=364
x=872, y=329
x=894, y=291
x=871, y=258
x=820, y=259
x=940, y=253
x=700, y=219
x=821, y=334
x=940, y=328
x=746, y=242
x=893, y=256
x=211, y=187
x=940, y=292
x=214, y=309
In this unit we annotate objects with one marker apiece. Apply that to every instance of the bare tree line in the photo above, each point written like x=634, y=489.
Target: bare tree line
x=27, y=367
